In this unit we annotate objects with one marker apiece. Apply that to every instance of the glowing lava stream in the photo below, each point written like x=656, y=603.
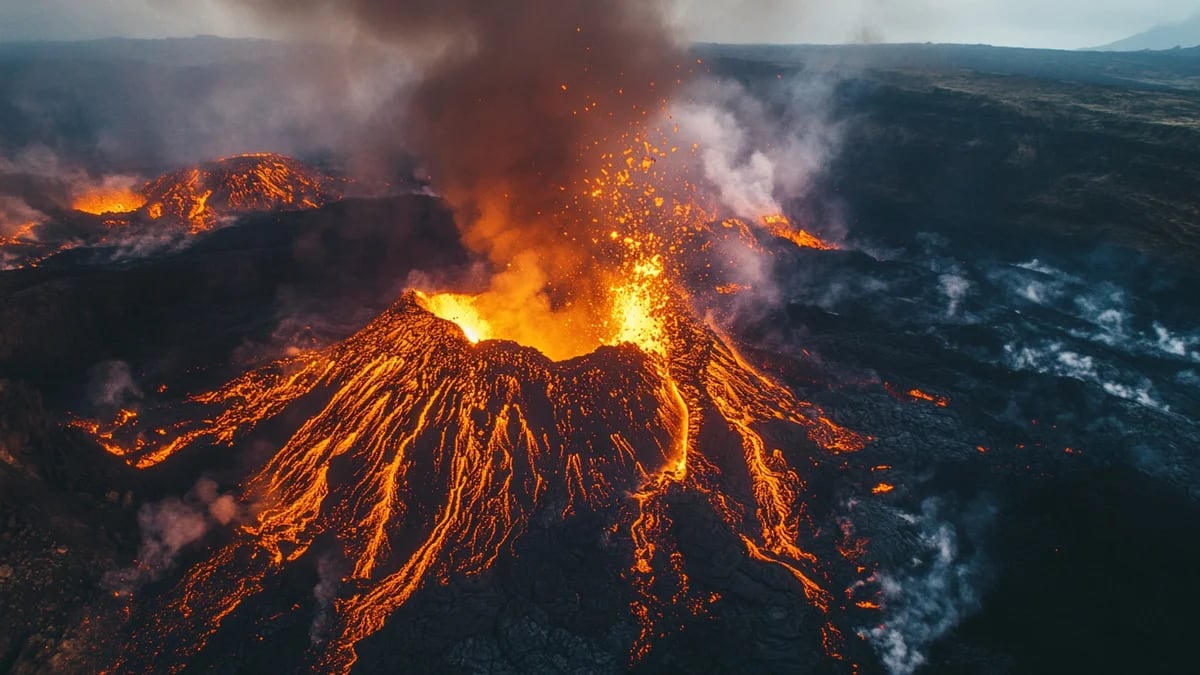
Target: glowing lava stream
x=428, y=455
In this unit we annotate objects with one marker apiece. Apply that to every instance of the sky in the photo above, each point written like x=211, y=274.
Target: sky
x=1065, y=24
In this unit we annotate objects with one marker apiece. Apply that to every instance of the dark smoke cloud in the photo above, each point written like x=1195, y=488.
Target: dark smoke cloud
x=511, y=105
x=507, y=97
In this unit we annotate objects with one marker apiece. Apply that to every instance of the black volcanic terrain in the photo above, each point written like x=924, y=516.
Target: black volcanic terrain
x=1010, y=320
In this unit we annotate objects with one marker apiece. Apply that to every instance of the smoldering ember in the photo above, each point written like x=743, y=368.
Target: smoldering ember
x=414, y=336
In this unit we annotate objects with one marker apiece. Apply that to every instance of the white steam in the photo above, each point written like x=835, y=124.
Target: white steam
x=15, y=216
x=956, y=288
x=69, y=179
x=1175, y=345
x=753, y=156
x=112, y=385
x=1101, y=318
x=932, y=593
x=172, y=525
x=761, y=155
x=330, y=570
x=1052, y=359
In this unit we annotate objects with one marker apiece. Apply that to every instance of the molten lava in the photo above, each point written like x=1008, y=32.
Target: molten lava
x=646, y=220
x=915, y=394
x=21, y=234
x=194, y=200
x=459, y=309
x=780, y=226
x=939, y=401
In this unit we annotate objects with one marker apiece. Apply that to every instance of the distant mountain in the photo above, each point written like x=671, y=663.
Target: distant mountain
x=201, y=50
x=1166, y=36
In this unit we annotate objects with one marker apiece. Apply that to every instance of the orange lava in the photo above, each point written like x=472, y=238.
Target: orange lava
x=458, y=309
x=939, y=401
x=915, y=394
x=780, y=226
x=21, y=234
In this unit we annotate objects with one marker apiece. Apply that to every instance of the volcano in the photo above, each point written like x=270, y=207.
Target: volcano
x=199, y=196
x=428, y=457
x=186, y=201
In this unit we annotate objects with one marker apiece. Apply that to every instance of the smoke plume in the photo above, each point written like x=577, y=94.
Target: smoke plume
x=331, y=569
x=757, y=152
x=170, y=526
x=112, y=385
x=938, y=587
x=507, y=101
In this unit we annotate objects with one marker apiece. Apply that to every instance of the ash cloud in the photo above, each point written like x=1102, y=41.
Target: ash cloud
x=143, y=107
x=497, y=110
x=503, y=105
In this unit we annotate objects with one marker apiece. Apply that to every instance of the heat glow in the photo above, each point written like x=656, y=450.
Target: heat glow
x=460, y=310
x=100, y=201
x=647, y=218
x=20, y=234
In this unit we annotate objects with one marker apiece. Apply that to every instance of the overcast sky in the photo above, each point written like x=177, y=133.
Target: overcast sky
x=1029, y=23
